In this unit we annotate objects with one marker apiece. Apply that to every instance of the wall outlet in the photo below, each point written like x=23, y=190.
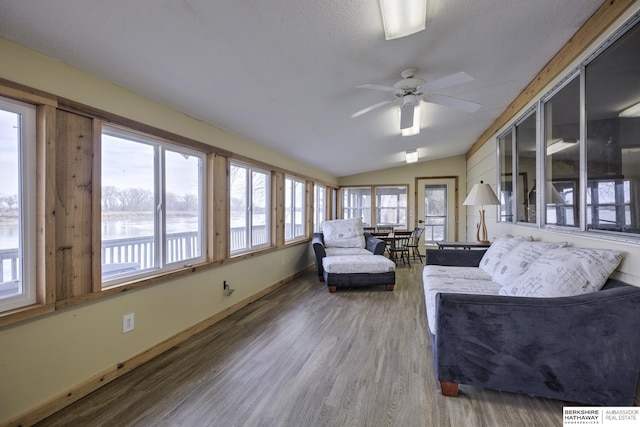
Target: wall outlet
x=127, y=323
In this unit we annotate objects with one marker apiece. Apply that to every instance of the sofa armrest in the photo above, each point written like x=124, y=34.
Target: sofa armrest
x=375, y=245
x=583, y=349
x=317, y=242
x=454, y=257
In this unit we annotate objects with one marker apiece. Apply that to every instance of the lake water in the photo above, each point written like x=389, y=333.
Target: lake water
x=115, y=228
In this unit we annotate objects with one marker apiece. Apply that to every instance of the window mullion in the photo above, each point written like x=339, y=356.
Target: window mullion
x=160, y=204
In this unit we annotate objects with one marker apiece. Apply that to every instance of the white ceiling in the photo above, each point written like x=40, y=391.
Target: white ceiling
x=283, y=73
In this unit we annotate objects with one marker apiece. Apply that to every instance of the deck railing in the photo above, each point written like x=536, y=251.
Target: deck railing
x=9, y=265
x=139, y=251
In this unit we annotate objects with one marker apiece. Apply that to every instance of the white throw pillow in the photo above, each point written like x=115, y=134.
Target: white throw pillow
x=517, y=261
x=498, y=249
x=343, y=233
x=565, y=272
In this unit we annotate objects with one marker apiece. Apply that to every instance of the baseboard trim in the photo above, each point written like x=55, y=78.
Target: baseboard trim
x=66, y=398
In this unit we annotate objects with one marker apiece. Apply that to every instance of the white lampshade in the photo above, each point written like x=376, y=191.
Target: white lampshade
x=401, y=18
x=480, y=195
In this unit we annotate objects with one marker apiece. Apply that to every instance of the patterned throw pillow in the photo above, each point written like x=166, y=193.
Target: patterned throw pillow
x=498, y=249
x=518, y=260
x=343, y=233
x=565, y=272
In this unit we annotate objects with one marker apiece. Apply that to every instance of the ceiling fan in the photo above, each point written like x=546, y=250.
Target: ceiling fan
x=409, y=91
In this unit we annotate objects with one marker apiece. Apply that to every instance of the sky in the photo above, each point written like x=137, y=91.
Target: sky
x=8, y=153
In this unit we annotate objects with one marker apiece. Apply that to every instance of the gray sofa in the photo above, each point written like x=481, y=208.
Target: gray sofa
x=583, y=348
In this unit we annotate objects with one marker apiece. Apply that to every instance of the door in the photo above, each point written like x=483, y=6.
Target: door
x=436, y=209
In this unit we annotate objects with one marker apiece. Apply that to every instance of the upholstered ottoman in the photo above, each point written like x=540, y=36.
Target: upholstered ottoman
x=358, y=270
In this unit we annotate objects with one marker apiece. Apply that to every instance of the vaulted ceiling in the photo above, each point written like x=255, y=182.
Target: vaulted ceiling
x=283, y=73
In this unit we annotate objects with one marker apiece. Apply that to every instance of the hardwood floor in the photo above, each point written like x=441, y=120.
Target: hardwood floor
x=303, y=357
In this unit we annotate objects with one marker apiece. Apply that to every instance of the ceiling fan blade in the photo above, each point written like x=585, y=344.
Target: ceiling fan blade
x=378, y=87
x=448, y=101
x=406, y=116
x=369, y=108
x=447, y=81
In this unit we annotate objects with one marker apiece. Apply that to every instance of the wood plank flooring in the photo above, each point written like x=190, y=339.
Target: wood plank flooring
x=303, y=357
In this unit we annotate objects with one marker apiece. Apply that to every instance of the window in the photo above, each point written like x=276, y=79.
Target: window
x=562, y=159
x=590, y=137
x=356, y=203
x=517, y=187
x=391, y=206
x=612, y=90
x=526, y=168
x=435, y=212
x=505, y=165
x=319, y=206
x=17, y=204
x=294, y=192
x=250, y=191
x=152, y=205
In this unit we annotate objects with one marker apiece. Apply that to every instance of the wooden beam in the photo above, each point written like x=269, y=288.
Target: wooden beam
x=599, y=22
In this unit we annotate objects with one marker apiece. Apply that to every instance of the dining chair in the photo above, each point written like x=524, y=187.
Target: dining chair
x=414, y=243
x=399, y=249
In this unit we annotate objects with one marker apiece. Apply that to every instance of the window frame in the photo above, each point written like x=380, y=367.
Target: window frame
x=400, y=211
x=319, y=206
x=27, y=188
x=160, y=263
x=250, y=247
x=297, y=203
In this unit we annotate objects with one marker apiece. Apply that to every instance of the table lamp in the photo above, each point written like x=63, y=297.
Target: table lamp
x=481, y=194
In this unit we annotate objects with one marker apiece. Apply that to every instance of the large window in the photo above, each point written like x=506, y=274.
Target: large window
x=391, y=206
x=590, y=142
x=17, y=204
x=435, y=212
x=250, y=192
x=152, y=205
x=319, y=206
x=356, y=203
x=294, y=215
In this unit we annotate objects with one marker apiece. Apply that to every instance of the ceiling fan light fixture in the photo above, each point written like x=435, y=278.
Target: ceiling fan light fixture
x=401, y=18
x=415, y=128
x=411, y=156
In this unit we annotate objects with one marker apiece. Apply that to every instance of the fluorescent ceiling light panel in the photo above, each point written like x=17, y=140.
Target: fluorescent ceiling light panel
x=415, y=129
x=401, y=18
x=559, y=145
x=633, y=111
x=411, y=156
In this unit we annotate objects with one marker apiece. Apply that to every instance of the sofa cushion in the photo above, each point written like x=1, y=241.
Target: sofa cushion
x=498, y=249
x=343, y=233
x=346, y=251
x=434, y=285
x=470, y=273
x=347, y=264
x=565, y=272
x=514, y=263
